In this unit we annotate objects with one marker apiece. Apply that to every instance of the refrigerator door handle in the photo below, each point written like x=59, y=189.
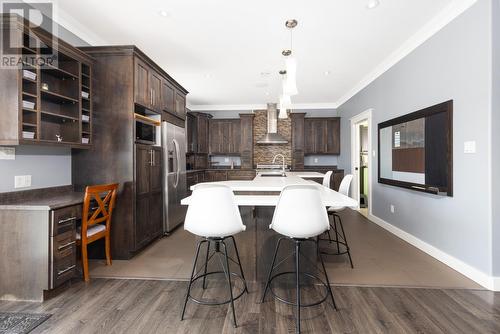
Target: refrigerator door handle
x=177, y=159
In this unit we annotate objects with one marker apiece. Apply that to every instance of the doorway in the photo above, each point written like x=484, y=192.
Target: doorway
x=361, y=161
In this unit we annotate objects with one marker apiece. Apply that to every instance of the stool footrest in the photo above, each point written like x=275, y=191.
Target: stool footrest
x=286, y=301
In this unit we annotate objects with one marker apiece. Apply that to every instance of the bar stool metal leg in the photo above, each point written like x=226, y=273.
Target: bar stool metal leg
x=229, y=282
x=239, y=262
x=297, y=284
x=206, y=265
x=268, y=281
x=345, y=240
x=326, y=276
x=192, y=275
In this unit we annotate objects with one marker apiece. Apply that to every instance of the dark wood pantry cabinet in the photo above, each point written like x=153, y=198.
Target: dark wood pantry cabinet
x=322, y=135
x=44, y=103
x=127, y=81
x=224, y=136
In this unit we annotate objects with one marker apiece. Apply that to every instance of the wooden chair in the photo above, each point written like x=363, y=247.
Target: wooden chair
x=96, y=221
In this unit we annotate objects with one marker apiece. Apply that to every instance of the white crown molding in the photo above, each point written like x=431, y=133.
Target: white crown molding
x=483, y=279
x=225, y=107
x=447, y=15
x=62, y=18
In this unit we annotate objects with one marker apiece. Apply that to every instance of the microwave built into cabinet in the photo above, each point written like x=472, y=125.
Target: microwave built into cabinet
x=147, y=129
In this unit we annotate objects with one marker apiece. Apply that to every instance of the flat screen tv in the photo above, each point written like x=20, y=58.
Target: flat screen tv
x=416, y=150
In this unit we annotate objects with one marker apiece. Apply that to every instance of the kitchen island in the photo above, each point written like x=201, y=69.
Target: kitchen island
x=257, y=199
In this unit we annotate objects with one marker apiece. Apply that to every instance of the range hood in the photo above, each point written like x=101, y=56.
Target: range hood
x=272, y=136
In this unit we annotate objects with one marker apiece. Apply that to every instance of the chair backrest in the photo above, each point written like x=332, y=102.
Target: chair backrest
x=300, y=212
x=98, y=205
x=213, y=212
x=345, y=185
x=327, y=179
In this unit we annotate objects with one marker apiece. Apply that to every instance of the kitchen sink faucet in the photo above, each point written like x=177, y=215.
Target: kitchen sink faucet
x=282, y=157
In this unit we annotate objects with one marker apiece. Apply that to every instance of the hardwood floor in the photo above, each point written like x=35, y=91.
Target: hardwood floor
x=150, y=306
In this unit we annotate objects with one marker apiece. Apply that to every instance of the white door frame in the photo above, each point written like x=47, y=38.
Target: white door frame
x=355, y=148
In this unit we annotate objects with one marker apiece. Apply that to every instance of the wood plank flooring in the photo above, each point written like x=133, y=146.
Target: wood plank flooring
x=151, y=306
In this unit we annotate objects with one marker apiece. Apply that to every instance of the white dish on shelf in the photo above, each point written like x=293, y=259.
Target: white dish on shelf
x=28, y=135
x=85, y=118
x=85, y=95
x=29, y=74
x=28, y=104
x=85, y=140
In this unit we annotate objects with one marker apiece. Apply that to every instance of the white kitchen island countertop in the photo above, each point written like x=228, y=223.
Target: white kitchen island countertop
x=276, y=184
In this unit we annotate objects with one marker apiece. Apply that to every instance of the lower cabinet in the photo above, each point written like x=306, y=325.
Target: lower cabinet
x=218, y=175
x=148, y=197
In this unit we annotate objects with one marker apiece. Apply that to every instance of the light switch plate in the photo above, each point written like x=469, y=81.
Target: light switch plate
x=392, y=208
x=7, y=153
x=470, y=147
x=315, y=160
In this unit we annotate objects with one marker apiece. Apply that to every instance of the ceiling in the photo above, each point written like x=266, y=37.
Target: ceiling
x=227, y=53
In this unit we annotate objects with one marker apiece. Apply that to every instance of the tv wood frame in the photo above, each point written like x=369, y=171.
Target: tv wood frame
x=446, y=107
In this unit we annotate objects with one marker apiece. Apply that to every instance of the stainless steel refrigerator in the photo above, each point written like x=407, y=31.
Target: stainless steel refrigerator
x=173, y=142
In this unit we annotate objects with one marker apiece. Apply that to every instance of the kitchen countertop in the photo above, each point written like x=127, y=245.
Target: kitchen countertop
x=45, y=199
x=276, y=184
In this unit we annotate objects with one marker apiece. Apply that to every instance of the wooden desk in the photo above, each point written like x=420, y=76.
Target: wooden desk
x=38, y=241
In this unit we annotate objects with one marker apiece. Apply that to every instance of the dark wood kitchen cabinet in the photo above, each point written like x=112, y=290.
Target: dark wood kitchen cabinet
x=197, y=140
x=180, y=104
x=246, y=145
x=149, y=207
x=167, y=97
x=298, y=140
x=224, y=136
x=123, y=77
x=322, y=135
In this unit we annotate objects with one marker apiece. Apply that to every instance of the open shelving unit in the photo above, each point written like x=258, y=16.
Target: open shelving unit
x=50, y=108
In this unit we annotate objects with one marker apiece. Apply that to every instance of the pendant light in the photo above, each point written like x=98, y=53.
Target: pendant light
x=290, y=87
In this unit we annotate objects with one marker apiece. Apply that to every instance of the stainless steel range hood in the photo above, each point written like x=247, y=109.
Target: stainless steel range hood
x=272, y=136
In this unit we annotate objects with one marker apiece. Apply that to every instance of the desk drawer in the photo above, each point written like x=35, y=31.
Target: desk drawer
x=64, y=220
x=64, y=269
x=63, y=258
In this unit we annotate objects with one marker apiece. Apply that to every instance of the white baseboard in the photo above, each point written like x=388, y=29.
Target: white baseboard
x=489, y=282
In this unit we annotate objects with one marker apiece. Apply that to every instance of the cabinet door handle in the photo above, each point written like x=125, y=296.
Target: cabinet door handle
x=151, y=157
x=66, y=270
x=62, y=221
x=154, y=157
x=66, y=245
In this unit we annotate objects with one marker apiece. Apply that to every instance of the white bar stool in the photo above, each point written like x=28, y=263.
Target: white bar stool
x=340, y=237
x=300, y=217
x=213, y=215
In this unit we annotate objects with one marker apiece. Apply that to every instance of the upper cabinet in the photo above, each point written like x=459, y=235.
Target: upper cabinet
x=45, y=102
x=225, y=136
x=156, y=91
x=322, y=136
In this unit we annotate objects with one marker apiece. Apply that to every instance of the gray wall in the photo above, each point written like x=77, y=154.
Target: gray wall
x=453, y=64
x=48, y=167
x=495, y=126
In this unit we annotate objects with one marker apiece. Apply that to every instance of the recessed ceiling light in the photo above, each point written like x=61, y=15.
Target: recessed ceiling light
x=164, y=13
x=267, y=93
x=207, y=76
x=372, y=4
x=327, y=72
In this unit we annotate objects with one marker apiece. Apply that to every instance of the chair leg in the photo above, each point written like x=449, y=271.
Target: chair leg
x=271, y=269
x=85, y=263
x=107, y=243
x=345, y=240
x=326, y=276
x=239, y=263
x=336, y=232
x=229, y=283
x=191, y=278
x=297, y=285
x=206, y=265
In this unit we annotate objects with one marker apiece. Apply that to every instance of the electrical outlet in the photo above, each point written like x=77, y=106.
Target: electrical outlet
x=226, y=159
x=315, y=160
x=22, y=181
x=392, y=208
